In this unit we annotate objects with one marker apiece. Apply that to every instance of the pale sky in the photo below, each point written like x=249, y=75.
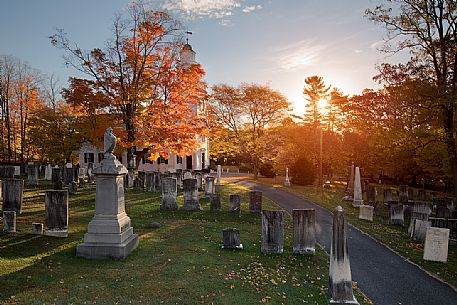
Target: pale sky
x=274, y=42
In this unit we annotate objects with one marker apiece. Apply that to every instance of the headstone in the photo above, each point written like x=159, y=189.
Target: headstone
x=7, y=171
x=130, y=178
x=56, y=213
x=75, y=173
x=32, y=174
x=255, y=201
x=179, y=176
x=187, y=175
x=150, y=187
x=190, y=194
x=37, y=228
x=199, y=178
x=17, y=171
x=416, y=215
x=57, y=178
x=371, y=195
x=72, y=188
x=1, y=190
x=169, y=194
x=90, y=172
x=287, y=180
x=12, y=194
x=219, y=174
x=48, y=172
x=421, y=194
x=350, y=185
x=444, y=201
x=419, y=229
x=68, y=165
x=272, y=231
x=81, y=172
x=304, y=231
x=421, y=207
x=410, y=193
x=138, y=184
x=68, y=175
x=235, y=203
x=387, y=195
x=358, y=199
x=155, y=225
x=9, y=221
x=442, y=212
x=215, y=202
x=340, y=278
x=110, y=234
x=81, y=182
x=396, y=214
x=142, y=180
x=403, y=194
x=366, y=212
x=436, y=244
x=210, y=188
x=231, y=239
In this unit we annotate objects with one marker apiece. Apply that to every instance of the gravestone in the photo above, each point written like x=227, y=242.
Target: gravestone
x=90, y=172
x=421, y=194
x=138, y=184
x=396, y=214
x=419, y=229
x=142, y=177
x=32, y=174
x=190, y=194
x=358, y=199
x=48, y=172
x=350, y=184
x=421, y=207
x=403, y=194
x=235, y=203
x=304, y=231
x=255, y=201
x=199, y=178
x=371, y=195
x=150, y=187
x=231, y=239
x=210, y=188
x=7, y=171
x=272, y=231
x=56, y=213
x=68, y=175
x=387, y=195
x=444, y=201
x=340, y=278
x=218, y=174
x=366, y=212
x=410, y=193
x=81, y=182
x=1, y=190
x=215, y=202
x=287, y=180
x=169, y=194
x=158, y=181
x=9, y=221
x=12, y=190
x=443, y=212
x=436, y=244
x=110, y=234
x=17, y=171
x=72, y=188
x=179, y=176
x=37, y=228
x=187, y=175
x=57, y=178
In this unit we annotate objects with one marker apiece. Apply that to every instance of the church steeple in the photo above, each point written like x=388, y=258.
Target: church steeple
x=187, y=54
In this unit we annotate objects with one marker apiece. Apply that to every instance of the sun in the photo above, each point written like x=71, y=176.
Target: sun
x=322, y=105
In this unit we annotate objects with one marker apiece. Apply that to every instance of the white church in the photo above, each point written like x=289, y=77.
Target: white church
x=198, y=160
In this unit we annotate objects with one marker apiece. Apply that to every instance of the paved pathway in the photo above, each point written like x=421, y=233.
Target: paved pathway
x=385, y=277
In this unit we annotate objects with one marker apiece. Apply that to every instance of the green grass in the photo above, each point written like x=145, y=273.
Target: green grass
x=179, y=263
x=396, y=237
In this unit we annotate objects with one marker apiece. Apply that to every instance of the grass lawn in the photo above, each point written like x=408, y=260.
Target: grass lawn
x=396, y=237
x=179, y=263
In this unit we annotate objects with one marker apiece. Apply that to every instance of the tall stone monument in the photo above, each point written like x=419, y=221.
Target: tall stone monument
x=287, y=181
x=219, y=174
x=358, y=199
x=110, y=234
x=340, y=278
x=350, y=185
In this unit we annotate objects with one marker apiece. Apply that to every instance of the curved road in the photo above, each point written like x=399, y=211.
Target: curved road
x=385, y=277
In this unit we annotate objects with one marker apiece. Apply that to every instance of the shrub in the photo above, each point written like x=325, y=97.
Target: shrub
x=266, y=170
x=302, y=172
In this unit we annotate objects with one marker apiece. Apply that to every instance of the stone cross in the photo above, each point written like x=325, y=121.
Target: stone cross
x=190, y=194
x=56, y=213
x=255, y=201
x=304, y=231
x=169, y=194
x=358, y=199
x=272, y=231
x=235, y=203
x=340, y=278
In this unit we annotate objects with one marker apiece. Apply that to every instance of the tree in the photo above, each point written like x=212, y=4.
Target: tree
x=428, y=29
x=314, y=91
x=139, y=73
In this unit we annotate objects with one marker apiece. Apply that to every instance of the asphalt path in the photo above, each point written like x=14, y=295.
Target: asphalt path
x=383, y=276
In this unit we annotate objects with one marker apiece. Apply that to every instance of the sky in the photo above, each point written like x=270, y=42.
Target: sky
x=273, y=42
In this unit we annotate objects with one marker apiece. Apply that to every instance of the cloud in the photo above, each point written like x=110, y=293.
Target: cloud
x=297, y=55
x=377, y=44
x=249, y=9
x=202, y=8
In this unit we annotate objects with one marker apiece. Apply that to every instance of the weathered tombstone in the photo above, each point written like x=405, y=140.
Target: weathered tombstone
x=287, y=180
x=410, y=193
x=9, y=221
x=187, y=175
x=358, y=199
x=68, y=175
x=190, y=194
x=81, y=182
x=75, y=173
x=1, y=190
x=199, y=178
x=350, y=184
x=231, y=239
x=445, y=201
x=255, y=201
x=179, y=176
x=396, y=214
x=32, y=174
x=158, y=181
x=387, y=195
x=17, y=171
x=7, y=171
x=235, y=203
x=403, y=194
x=215, y=202
x=421, y=194
x=90, y=172
x=72, y=188
x=340, y=278
x=169, y=194
x=12, y=195
x=210, y=188
x=421, y=207
x=304, y=231
x=48, y=172
x=419, y=229
x=272, y=231
x=142, y=177
x=371, y=195
x=442, y=212
x=81, y=172
x=110, y=234
x=150, y=187
x=37, y=228
x=366, y=212
x=56, y=213
x=219, y=174
x=436, y=244
x=138, y=184
x=57, y=178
